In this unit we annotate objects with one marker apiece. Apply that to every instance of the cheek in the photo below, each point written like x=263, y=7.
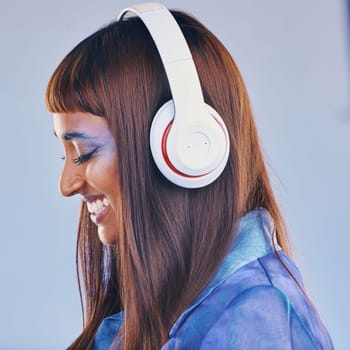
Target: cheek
x=102, y=174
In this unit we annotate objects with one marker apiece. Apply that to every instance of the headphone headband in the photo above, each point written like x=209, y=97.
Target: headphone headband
x=176, y=57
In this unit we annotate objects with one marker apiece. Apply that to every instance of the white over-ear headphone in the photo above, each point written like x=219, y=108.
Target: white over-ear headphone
x=189, y=140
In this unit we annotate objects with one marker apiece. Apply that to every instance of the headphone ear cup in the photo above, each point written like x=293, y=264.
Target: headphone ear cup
x=160, y=128
x=161, y=122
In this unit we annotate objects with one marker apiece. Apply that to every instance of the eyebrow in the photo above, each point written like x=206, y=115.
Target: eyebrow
x=75, y=135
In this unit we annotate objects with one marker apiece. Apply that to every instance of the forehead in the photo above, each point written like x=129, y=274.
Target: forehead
x=79, y=122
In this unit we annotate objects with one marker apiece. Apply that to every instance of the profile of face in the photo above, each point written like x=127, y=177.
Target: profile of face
x=90, y=168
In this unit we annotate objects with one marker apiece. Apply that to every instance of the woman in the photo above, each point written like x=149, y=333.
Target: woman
x=164, y=265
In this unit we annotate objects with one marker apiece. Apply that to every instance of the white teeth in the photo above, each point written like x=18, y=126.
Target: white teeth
x=89, y=207
x=97, y=206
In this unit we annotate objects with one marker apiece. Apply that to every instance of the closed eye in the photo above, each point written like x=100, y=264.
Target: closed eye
x=85, y=157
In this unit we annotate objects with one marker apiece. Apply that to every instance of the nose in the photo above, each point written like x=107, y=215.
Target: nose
x=71, y=181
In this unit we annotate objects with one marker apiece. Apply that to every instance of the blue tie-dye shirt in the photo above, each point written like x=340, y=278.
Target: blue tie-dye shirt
x=251, y=302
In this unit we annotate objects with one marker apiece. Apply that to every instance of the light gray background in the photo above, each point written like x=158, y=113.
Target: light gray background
x=293, y=56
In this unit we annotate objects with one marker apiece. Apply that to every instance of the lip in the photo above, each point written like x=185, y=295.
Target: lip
x=92, y=198
x=97, y=219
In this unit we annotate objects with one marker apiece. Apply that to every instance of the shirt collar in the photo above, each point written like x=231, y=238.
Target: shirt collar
x=253, y=240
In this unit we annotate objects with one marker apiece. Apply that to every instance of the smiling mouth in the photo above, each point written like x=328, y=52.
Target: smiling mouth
x=98, y=209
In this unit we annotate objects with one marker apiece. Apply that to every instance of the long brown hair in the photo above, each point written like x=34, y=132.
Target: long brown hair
x=171, y=239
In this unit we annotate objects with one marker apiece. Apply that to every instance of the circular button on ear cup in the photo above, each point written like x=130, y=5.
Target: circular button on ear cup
x=191, y=157
x=192, y=150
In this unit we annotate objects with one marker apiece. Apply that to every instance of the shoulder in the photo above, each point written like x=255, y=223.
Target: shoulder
x=259, y=306
x=261, y=317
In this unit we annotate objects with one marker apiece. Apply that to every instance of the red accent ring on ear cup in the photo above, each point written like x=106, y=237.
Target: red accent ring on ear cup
x=166, y=158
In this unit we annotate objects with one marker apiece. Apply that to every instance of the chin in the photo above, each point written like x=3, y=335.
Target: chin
x=107, y=237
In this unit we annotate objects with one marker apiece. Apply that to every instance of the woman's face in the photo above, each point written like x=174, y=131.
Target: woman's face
x=90, y=168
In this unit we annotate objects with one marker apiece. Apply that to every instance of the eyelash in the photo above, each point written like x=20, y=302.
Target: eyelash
x=84, y=157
